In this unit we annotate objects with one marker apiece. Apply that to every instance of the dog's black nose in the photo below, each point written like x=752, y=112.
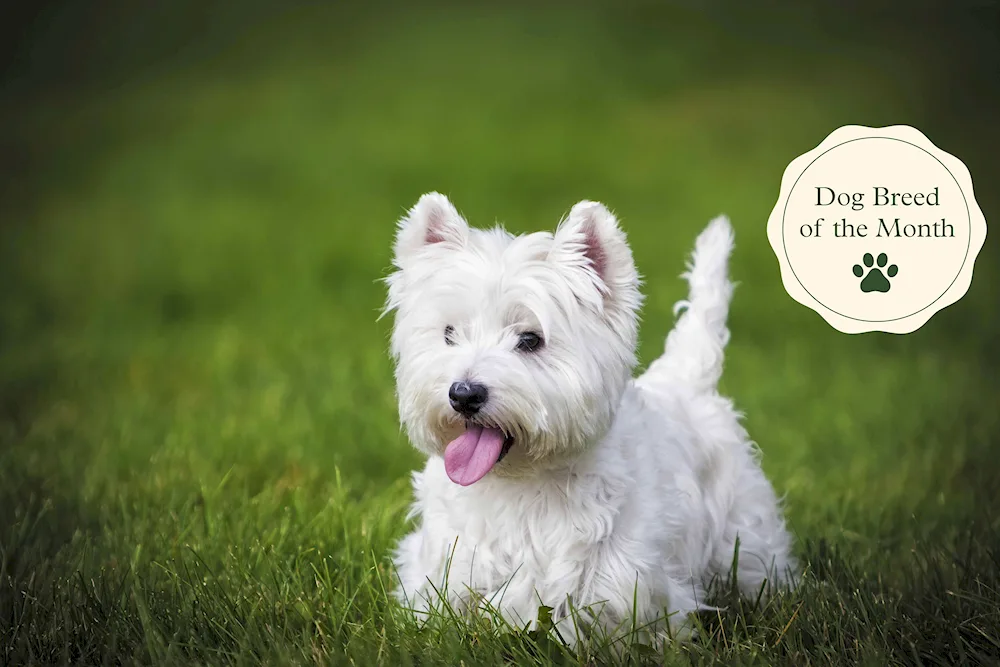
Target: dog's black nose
x=467, y=397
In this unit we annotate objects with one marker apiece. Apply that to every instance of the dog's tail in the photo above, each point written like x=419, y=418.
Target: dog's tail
x=693, y=355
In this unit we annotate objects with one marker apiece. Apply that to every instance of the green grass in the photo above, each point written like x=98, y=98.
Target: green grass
x=200, y=459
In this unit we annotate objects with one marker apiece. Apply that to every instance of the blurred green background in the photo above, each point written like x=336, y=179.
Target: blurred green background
x=200, y=458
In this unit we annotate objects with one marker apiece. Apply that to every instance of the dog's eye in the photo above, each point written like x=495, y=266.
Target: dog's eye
x=448, y=332
x=529, y=341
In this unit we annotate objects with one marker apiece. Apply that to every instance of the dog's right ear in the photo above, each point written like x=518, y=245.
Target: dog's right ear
x=433, y=219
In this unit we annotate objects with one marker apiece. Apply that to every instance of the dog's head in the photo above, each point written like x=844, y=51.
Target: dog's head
x=511, y=352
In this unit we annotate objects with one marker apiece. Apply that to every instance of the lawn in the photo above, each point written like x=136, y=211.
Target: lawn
x=200, y=458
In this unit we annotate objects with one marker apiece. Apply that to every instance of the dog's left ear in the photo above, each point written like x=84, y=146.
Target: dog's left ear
x=433, y=219
x=589, y=239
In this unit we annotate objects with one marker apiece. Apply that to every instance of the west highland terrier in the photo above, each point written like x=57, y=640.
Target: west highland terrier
x=553, y=476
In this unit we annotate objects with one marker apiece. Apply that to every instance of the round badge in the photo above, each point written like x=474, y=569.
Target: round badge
x=876, y=229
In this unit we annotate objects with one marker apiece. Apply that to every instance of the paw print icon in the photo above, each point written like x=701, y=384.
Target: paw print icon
x=875, y=280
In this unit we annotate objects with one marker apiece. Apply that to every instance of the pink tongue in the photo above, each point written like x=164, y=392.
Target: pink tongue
x=473, y=454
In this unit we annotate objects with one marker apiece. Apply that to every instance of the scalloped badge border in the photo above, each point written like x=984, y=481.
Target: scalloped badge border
x=910, y=323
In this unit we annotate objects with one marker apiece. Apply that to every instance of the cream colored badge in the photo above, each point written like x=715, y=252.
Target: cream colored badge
x=876, y=229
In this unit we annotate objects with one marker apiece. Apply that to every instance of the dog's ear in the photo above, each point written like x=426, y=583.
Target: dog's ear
x=589, y=238
x=433, y=219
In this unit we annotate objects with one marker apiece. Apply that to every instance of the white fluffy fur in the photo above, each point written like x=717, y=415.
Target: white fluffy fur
x=621, y=497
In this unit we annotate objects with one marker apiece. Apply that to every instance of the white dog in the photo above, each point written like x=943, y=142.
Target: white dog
x=554, y=477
